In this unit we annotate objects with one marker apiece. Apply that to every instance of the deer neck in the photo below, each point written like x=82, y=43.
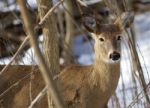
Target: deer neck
x=104, y=74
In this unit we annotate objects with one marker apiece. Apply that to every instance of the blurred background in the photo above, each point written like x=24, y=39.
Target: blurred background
x=76, y=45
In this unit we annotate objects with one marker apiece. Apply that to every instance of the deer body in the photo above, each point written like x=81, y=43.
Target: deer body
x=88, y=86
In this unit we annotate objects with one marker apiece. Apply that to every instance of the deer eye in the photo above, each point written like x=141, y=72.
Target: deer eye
x=101, y=39
x=119, y=37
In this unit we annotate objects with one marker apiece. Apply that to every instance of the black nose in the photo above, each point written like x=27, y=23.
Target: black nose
x=114, y=56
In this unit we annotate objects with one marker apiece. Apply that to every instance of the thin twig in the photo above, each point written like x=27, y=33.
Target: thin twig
x=38, y=97
x=143, y=61
x=137, y=97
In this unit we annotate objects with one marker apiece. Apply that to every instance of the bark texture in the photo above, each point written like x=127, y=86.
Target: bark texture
x=50, y=34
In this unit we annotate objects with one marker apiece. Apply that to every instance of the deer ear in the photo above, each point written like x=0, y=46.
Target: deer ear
x=125, y=20
x=89, y=23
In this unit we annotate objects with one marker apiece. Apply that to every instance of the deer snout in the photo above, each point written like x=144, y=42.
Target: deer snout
x=114, y=56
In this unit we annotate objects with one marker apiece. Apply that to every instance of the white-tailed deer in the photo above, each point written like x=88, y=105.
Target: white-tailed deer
x=81, y=86
x=92, y=86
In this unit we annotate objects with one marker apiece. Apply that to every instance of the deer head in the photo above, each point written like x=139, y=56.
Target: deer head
x=107, y=38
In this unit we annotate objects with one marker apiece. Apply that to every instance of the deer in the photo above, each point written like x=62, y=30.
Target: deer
x=92, y=86
x=81, y=86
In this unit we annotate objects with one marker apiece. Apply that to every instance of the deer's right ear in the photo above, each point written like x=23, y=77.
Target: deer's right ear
x=125, y=20
x=89, y=23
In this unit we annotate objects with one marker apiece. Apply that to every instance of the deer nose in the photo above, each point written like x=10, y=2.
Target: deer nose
x=114, y=56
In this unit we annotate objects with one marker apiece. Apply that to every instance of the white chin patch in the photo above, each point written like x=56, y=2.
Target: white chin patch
x=112, y=61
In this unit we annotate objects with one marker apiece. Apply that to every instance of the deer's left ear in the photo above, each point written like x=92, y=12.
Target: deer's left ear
x=89, y=23
x=125, y=20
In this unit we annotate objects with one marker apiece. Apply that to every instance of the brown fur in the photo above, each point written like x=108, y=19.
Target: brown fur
x=18, y=95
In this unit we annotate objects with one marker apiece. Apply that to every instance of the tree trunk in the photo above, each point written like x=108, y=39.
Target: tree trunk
x=69, y=14
x=50, y=35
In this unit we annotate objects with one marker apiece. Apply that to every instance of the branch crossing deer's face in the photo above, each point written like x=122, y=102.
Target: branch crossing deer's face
x=107, y=39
